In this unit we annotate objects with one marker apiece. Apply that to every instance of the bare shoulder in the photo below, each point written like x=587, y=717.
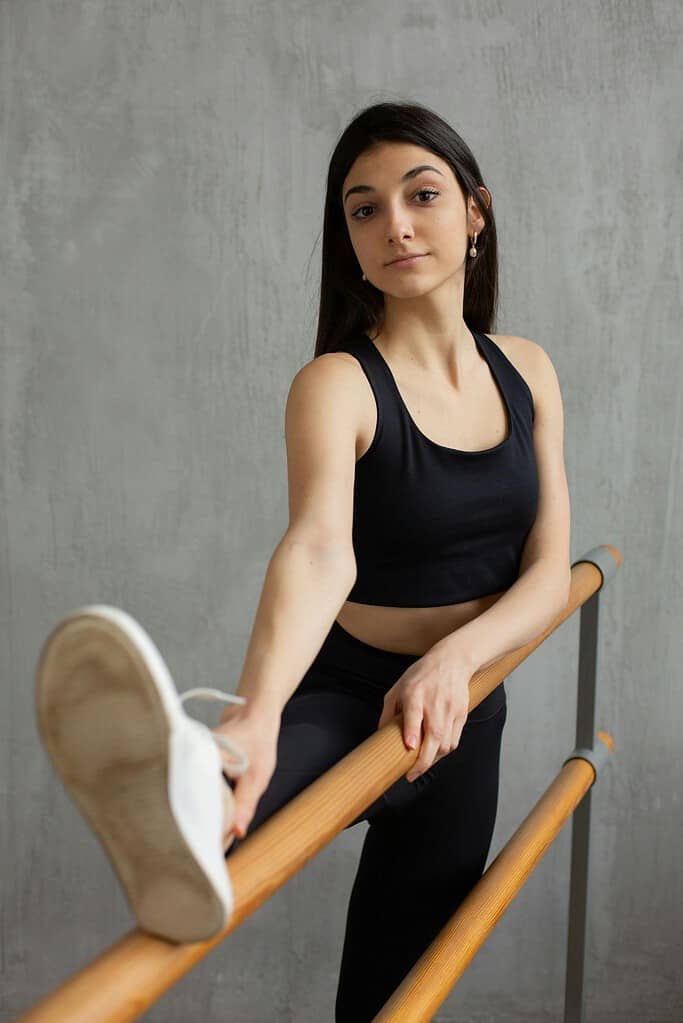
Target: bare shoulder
x=331, y=392
x=321, y=437
x=532, y=362
x=330, y=371
x=334, y=364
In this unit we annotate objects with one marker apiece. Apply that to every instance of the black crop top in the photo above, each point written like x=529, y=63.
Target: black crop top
x=434, y=525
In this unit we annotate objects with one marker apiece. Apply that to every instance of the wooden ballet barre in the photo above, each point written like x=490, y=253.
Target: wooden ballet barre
x=131, y=975
x=432, y=978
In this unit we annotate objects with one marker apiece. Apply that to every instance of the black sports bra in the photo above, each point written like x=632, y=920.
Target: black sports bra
x=434, y=525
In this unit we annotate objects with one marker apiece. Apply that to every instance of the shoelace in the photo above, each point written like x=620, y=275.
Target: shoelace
x=204, y=693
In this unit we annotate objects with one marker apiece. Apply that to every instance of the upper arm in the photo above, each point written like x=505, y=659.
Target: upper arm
x=321, y=426
x=549, y=537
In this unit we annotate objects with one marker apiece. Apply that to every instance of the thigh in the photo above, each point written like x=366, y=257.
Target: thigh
x=447, y=815
x=459, y=789
x=318, y=728
x=421, y=857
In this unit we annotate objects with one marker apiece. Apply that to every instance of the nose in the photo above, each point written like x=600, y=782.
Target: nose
x=398, y=224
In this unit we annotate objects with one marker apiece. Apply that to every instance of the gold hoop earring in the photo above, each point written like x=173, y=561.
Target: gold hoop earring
x=473, y=250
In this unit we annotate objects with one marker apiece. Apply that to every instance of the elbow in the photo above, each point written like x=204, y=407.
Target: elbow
x=341, y=562
x=352, y=567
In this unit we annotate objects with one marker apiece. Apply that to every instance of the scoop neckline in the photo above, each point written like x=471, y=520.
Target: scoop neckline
x=496, y=377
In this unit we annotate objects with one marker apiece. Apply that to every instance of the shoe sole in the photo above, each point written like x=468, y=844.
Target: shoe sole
x=106, y=705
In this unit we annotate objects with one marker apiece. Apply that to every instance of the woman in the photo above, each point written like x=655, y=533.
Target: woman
x=428, y=535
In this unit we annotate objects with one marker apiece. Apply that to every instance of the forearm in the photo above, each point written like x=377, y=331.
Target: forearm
x=524, y=611
x=304, y=589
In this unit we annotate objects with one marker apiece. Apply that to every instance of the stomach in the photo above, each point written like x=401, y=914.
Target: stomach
x=409, y=630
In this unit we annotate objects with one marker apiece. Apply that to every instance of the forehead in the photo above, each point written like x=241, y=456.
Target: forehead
x=390, y=160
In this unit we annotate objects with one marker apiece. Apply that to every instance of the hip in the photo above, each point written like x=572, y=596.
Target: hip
x=349, y=665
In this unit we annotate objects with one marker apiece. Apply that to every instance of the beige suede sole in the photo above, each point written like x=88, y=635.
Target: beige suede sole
x=107, y=726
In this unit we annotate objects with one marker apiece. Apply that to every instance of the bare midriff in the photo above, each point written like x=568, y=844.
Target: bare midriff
x=409, y=630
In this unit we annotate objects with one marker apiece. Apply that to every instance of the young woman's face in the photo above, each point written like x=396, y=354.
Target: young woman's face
x=424, y=214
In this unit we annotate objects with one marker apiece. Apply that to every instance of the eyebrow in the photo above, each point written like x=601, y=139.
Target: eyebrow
x=410, y=174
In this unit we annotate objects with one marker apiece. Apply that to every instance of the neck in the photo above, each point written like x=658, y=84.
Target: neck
x=453, y=352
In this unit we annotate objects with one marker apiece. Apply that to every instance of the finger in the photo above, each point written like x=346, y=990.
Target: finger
x=247, y=793
x=228, y=817
x=389, y=709
x=458, y=725
x=412, y=724
x=428, y=750
x=230, y=761
x=231, y=764
x=454, y=732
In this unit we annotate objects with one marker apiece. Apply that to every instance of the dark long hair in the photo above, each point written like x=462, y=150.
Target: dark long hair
x=348, y=303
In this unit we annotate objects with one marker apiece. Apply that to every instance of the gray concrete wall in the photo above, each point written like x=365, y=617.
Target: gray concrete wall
x=162, y=176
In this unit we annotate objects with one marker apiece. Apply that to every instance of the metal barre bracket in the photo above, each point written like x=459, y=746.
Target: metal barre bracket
x=597, y=757
x=604, y=561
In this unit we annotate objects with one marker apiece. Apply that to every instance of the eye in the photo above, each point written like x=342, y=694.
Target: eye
x=423, y=191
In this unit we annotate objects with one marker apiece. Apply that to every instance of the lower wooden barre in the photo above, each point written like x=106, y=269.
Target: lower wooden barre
x=435, y=973
x=130, y=976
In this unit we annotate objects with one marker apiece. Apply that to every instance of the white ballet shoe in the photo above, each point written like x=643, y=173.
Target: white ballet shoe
x=147, y=777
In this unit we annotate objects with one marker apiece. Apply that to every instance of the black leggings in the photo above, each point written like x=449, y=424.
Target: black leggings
x=428, y=840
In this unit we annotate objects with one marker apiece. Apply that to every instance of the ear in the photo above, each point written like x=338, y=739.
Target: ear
x=475, y=219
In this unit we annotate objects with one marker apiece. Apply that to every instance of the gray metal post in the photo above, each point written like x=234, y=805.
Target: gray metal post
x=602, y=558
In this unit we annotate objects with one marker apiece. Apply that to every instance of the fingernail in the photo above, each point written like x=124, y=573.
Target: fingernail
x=411, y=777
x=412, y=741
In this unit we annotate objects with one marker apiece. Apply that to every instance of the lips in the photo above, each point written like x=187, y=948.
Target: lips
x=403, y=259
x=404, y=256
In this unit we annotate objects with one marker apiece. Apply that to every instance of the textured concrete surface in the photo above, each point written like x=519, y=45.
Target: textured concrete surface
x=162, y=170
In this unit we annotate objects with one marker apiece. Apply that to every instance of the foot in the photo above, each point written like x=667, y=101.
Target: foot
x=145, y=776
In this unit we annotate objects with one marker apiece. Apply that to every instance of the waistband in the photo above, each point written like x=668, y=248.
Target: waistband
x=339, y=639
x=348, y=664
